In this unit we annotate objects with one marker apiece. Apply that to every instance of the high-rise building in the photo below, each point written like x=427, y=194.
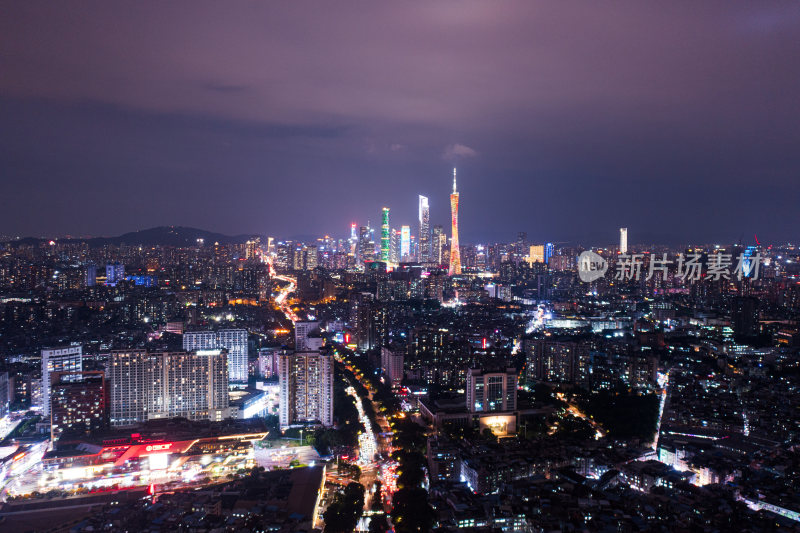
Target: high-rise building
x=366, y=246
x=385, y=235
x=521, y=247
x=405, y=243
x=5, y=394
x=353, y=241
x=491, y=391
x=557, y=361
x=744, y=316
x=78, y=405
x=310, y=257
x=64, y=359
x=548, y=251
x=392, y=365
x=438, y=245
x=251, y=248
x=115, y=272
x=424, y=230
x=232, y=340
x=536, y=254
x=455, y=251
x=302, y=330
x=623, y=240
x=91, y=275
x=147, y=385
x=361, y=305
x=268, y=362
x=305, y=384
x=394, y=246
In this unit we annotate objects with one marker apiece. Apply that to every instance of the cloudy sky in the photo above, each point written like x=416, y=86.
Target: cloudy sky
x=679, y=120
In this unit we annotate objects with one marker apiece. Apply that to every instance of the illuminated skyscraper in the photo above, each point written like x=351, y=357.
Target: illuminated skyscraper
x=353, y=241
x=439, y=245
x=405, y=242
x=623, y=240
x=394, y=246
x=455, y=252
x=424, y=230
x=366, y=248
x=385, y=235
x=548, y=251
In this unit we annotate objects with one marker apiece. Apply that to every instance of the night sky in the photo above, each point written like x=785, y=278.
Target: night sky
x=679, y=120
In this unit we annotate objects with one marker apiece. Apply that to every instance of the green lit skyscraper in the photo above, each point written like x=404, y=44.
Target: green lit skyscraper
x=385, y=236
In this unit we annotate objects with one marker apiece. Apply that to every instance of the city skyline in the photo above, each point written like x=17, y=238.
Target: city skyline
x=400, y=267
x=116, y=130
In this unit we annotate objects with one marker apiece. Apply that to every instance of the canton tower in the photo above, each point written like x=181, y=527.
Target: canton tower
x=455, y=253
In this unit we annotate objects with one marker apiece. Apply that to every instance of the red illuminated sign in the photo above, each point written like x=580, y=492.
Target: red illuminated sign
x=158, y=447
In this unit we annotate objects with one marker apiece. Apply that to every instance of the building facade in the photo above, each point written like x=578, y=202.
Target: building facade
x=424, y=230
x=385, y=235
x=234, y=341
x=623, y=240
x=63, y=359
x=147, y=386
x=302, y=330
x=392, y=365
x=78, y=407
x=490, y=391
x=305, y=384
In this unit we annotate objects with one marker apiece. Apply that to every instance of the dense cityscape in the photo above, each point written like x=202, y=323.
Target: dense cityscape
x=404, y=380
x=469, y=267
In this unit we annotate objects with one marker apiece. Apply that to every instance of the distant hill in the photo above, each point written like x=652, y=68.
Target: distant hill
x=160, y=236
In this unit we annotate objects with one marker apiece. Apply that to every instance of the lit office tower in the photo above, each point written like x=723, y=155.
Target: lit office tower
x=251, y=248
x=394, y=254
x=623, y=240
x=455, y=252
x=366, y=248
x=232, y=340
x=305, y=385
x=548, y=251
x=146, y=386
x=424, y=230
x=385, y=235
x=353, y=242
x=66, y=359
x=405, y=242
x=438, y=245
